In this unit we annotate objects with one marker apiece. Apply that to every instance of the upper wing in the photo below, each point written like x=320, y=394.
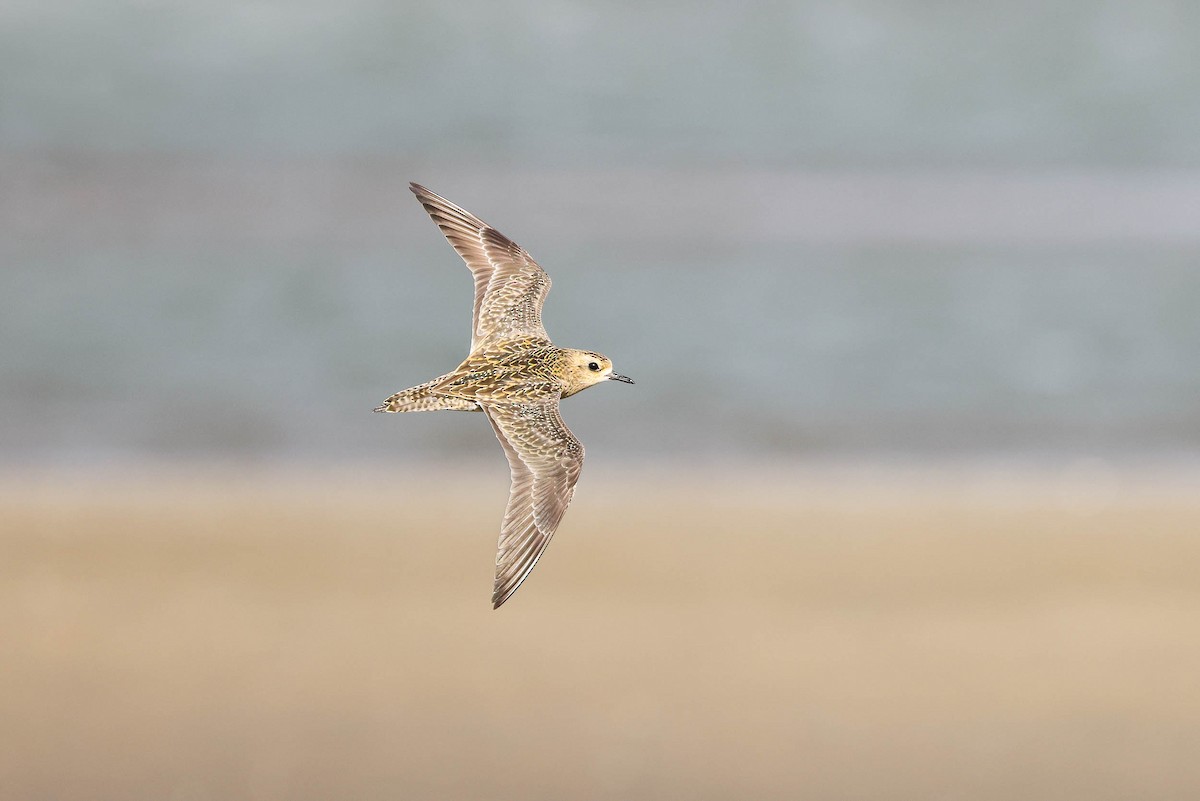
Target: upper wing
x=510, y=287
x=545, y=459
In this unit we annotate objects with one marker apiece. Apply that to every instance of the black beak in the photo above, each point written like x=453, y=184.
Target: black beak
x=623, y=378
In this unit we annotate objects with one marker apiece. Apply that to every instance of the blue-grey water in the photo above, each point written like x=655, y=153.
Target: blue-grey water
x=806, y=230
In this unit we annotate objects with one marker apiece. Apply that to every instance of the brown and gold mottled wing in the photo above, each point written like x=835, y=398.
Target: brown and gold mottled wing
x=545, y=459
x=510, y=287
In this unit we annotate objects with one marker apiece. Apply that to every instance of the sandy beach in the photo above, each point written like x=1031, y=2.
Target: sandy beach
x=851, y=636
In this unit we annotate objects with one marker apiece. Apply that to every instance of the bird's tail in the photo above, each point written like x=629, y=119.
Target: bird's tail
x=422, y=398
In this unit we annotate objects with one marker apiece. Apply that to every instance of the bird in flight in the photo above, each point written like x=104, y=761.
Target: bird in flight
x=516, y=376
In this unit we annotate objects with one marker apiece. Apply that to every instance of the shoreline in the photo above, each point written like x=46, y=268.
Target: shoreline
x=970, y=478
x=912, y=636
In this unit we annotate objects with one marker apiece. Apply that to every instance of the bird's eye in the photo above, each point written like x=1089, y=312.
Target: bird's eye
x=595, y=368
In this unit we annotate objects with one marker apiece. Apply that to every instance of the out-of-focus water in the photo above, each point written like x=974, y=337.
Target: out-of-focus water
x=129, y=338
x=875, y=229
x=540, y=82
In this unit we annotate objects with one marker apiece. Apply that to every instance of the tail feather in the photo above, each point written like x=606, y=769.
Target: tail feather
x=422, y=398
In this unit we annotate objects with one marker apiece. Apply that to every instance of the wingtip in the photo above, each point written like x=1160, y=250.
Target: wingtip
x=432, y=201
x=423, y=193
x=500, y=597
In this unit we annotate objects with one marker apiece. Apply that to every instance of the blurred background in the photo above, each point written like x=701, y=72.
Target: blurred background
x=904, y=502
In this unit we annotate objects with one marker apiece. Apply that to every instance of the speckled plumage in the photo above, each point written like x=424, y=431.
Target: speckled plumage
x=516, y=376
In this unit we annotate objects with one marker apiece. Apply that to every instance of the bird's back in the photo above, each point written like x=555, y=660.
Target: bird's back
x=524, y=370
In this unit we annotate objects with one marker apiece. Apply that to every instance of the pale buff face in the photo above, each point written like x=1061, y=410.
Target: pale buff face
x=584, y=368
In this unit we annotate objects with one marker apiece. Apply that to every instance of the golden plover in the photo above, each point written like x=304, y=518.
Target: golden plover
x=516, y=376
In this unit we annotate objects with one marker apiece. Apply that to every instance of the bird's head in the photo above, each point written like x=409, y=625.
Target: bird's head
x=583, y=368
